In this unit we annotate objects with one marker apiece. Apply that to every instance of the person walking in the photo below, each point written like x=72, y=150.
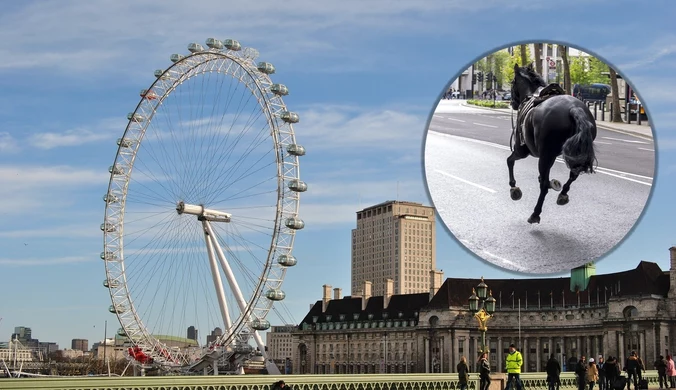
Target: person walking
x=592, y=375
x=513, y=363
x=661, y=367
x=553, y=369
x=671, y=371
x=600, y=364
x=633, y=368
x=463, y=373
x=484, y=372
x=581, y=371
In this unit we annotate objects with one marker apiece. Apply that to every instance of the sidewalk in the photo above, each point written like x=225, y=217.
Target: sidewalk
x=643, y=130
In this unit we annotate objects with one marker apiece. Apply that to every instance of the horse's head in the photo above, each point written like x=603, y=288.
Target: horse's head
x=525, y=82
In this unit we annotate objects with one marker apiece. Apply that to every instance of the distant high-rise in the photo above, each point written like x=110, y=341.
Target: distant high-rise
x=22, y=333
x=80, y=344
x=394, y=240
x=217, y=332
x=192, y=333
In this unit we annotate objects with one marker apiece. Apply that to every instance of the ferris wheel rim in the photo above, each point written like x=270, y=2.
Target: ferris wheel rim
x=284, y=207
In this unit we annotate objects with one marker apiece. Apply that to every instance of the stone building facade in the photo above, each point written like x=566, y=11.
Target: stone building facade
x=610, y=315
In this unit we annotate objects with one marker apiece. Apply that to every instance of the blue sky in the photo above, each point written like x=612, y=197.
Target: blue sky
x=363, y=78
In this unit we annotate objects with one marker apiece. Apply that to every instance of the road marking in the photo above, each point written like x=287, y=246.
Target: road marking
x=603, y=143
x=650, y=150
x=627, y=140
x=605, y=171
x=438, y=116
x=457, y=120
x=466, y=181
x=481, y=124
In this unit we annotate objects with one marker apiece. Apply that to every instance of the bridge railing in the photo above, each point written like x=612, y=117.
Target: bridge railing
x=531, y=381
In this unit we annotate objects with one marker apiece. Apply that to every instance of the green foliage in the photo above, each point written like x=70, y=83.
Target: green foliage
x=587, y=70
x=488, y=103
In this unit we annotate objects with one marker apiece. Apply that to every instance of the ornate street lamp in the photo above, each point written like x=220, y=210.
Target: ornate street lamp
x=483, y=308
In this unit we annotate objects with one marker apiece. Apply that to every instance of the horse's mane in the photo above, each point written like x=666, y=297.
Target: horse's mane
x=529, y=74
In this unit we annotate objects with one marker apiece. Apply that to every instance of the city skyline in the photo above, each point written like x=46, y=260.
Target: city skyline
x=69, y=79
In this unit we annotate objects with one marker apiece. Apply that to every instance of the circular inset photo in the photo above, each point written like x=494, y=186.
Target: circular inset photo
x=539, y=157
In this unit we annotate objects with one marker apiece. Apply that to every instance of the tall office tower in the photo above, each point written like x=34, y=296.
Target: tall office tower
x=192, y=333
x=22, y=333
x=80, y=344
x=394, y=240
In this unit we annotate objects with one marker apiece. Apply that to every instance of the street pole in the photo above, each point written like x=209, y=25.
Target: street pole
x=483, y=307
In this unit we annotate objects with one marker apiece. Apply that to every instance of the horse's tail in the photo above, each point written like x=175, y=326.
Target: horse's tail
x=578, y=150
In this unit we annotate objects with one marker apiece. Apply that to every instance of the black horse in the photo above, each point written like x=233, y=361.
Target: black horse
x=558, y=125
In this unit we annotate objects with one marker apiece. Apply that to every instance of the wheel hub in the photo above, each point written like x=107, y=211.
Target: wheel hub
x=202, y=213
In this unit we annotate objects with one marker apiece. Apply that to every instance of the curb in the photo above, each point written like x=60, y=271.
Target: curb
x=627, y=132
x=503, y=110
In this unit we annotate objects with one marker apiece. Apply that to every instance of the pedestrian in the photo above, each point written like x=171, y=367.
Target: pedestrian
x=612, y=372
x=280, y=385
x=633, y=369
x=661, y=367
x=671, y=371
x=581, y=372
x=463, y=373
x=601, y=365
x=484, y=372
x=513, y=363
x=592, y=375
x=553, y=373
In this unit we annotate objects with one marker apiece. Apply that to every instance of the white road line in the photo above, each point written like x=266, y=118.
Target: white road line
x=626, y=140
x=605, y=171
x=481, y=124
x=457, y=120
x=603, y=143
x=438, y=116
x=465, y=181
x=650, y=150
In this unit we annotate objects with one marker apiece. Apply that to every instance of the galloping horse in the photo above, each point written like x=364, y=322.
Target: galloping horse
x=546, y=128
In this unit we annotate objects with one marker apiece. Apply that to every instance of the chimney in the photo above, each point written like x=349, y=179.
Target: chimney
x=435, y=281
x=389, y=291
x=336, y=293
x=326, y=297
x=366, y=294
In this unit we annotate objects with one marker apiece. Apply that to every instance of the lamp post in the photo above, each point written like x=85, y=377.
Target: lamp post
x=483, y=307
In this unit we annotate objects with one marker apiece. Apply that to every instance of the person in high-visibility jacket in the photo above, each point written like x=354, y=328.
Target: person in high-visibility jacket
x=513, y=363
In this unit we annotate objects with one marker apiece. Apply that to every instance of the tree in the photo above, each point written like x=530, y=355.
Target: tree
x=524, y=55
x=615, y=90
x=566, y=68
x=538, y=58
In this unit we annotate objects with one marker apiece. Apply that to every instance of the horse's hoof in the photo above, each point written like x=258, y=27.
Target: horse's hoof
x=515, y=193
x=562, y=200
x=555, y=185
x=534, y=219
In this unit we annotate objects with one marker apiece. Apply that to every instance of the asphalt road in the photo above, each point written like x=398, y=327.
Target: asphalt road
x=465, y=165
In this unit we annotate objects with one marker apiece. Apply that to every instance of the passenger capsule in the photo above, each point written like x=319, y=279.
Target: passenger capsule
x=287, y=260
x=195, y=47
x=294, y=223
x=117, y=309
x=160, y=74
x=275, y=295
x=136, y=117
x=289, y=117
x=110, y=198
x=243, y=349
x=125, y=142
x=295, y=150
x=108, y=227
x=176, y=57
x=108, y=256
x=297, y=185
x=259, y=324
x=111, y=283
x=279, y=89
x=148, y=94
x=214, y=43
x=232, y=44
x=116, y=170
x=266, y=67
x=121, y=332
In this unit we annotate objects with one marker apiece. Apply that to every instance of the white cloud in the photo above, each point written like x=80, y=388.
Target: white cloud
x=8, y=144
x=44, y=261
x=104, y=129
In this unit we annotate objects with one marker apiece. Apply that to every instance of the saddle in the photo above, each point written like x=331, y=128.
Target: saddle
x=533, y=101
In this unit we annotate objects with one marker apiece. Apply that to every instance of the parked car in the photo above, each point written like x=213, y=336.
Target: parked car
x=507, y=96
x=634, y=104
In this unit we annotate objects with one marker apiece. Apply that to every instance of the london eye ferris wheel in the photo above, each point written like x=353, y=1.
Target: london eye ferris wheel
x=202, y=207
